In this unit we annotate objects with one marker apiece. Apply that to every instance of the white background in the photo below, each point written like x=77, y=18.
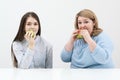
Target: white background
x=57, y=23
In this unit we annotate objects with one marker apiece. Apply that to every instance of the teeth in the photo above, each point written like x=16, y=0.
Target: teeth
x=79, y=36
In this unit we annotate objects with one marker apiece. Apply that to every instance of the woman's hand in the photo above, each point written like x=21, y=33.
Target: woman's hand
x=74, y=34
x=30, y=38
x=88, y=39
x=70, y=43
x=85, y=34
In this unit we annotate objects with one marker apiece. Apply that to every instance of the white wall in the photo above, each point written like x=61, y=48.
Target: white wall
x=57, y=23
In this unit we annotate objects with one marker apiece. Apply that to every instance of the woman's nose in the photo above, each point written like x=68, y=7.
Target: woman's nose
x=32, y=26
x=82, y=26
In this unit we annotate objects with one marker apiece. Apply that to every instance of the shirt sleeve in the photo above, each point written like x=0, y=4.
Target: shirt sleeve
x=24, y=57
x=66, y=56
x=49, y=59
x=102, y=52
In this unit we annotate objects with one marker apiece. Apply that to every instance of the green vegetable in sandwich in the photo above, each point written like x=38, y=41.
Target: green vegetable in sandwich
x=79, y=36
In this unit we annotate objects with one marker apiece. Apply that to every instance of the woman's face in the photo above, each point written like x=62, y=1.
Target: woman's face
x=85, y=23
x=31, y=24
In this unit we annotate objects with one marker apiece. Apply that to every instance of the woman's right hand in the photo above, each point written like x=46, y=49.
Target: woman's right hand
x=69, y=45
x=31, y=39
x=74, y=34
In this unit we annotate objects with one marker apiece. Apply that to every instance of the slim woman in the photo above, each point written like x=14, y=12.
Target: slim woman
x=29, y=49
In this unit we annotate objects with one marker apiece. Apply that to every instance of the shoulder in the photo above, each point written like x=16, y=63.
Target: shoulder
x=16, y=43
x=102, y=36
x=23, y=42
x=19, y=44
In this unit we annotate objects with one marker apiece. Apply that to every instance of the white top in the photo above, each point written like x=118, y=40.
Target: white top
x=39, y=57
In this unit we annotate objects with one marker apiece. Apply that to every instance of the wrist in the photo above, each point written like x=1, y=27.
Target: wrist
x=31, y=46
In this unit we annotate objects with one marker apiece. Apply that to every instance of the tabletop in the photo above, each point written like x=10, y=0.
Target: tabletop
x=59, y=74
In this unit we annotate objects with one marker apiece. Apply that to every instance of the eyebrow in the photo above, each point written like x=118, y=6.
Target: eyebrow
x=84, y=19
x=31, y=22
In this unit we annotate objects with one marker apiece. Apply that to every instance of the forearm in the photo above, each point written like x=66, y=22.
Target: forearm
x=49, y=60
x=101, y=54
x=66, y=56
x=69, y=45
x=92, y=44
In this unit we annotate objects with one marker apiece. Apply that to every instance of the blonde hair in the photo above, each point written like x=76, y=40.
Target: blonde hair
x=89, y=14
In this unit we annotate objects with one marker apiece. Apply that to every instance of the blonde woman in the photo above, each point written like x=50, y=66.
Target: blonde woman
x=88, y=46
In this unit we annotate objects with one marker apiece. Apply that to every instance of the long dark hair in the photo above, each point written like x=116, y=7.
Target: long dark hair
x=21, y=32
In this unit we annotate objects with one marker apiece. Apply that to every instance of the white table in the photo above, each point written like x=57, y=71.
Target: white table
x=59, y=74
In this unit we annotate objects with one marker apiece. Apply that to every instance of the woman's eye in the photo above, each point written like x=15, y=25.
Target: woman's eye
x=79, y=22
x=35, y=23
x=28, y=24
x=86, y=22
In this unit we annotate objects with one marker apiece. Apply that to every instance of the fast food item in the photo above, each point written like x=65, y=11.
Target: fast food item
x=31, y=32
x=79, y=36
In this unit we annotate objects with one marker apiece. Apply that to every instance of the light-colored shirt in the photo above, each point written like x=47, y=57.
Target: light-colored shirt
x=81, y=56
x=39, y=57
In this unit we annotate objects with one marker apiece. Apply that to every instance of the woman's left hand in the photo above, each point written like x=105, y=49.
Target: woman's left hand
x=85, y=34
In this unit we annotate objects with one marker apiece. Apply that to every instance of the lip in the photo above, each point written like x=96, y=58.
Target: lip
x=31, y=30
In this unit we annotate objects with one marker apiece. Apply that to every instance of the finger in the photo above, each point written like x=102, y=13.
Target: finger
x=33, y=35
x=76, y=31
x=82, y=32
x=28, y=34
x=74, y=35
x=26, y=37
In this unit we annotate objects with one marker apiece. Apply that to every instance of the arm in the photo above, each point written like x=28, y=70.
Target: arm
x=102, y=52
x=49, y=58
x=103, y=49
x=91, y=43
x=66, y=54
x=24, y=58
